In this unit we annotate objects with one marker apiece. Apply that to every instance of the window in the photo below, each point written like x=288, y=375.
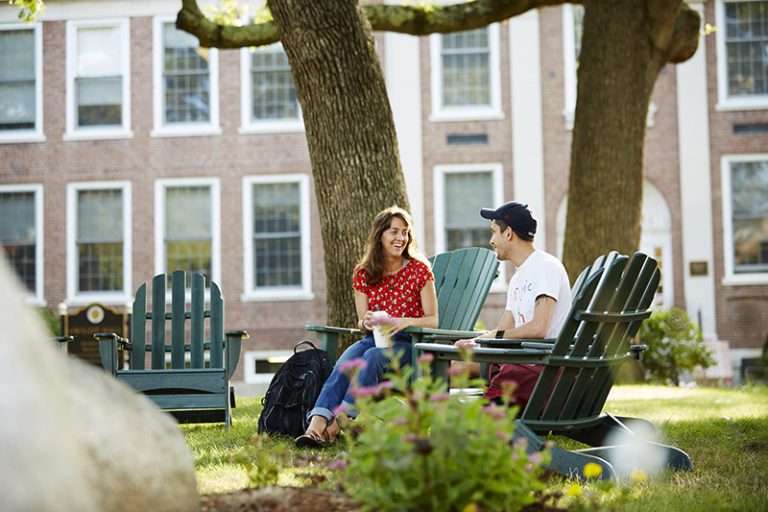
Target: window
x=460, y=192
x=745, y=218
x=187, y=226
x=21, y=79
x=742, y=53
x=269, y=94
x=465, y=75
x=99, y=242
x=98, y=79
x=276, y=234
x=21, y=235
x=186, y=83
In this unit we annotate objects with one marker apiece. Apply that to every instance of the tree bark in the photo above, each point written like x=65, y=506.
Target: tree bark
x=349, y=128
x=625, y=44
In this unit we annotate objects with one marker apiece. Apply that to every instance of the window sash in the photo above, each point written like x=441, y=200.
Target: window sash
x=749, y=216
x=465, y=58
x=18, y=102
x=18, y=235
x=465, y=194
x=276, y=211
x=746, y=44
x=273, y=92
x=186, y=78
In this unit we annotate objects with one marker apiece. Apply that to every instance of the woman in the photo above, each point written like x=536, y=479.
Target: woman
x=392, y=276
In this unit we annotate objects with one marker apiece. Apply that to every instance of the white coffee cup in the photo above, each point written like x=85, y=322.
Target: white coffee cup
x=379, y=339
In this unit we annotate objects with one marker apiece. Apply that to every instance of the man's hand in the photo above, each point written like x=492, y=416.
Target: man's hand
x=466, y=344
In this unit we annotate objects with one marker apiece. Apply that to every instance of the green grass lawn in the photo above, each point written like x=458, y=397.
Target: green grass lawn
x=724, y=431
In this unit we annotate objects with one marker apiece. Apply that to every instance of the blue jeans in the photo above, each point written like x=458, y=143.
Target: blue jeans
x=336, y=389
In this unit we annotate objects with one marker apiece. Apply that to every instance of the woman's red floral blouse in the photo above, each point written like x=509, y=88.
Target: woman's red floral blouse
x=398, y=294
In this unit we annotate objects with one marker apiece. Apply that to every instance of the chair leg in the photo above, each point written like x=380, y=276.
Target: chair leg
x=645, y=455
x=565, y=462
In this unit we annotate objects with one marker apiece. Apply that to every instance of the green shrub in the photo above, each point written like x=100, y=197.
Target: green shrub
x=424, y=449
x=52, y=321
x=674, y=346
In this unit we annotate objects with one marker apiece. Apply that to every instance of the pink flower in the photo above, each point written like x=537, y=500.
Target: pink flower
x=425, y=358
x=361, y=392
x=521, y=443
x=494, y=411
x=455, y=370
x=337, y=465
x=502, y=435
x=440, y=397
x=399, y=421
x=535, y=458
x=410, y=437
x=387, y=384
x=353, y=365
x=341, y=409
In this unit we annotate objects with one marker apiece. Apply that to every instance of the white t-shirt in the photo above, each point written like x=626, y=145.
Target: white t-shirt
x=540, y=274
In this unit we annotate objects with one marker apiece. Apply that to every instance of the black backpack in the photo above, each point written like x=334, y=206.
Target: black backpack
x=293, y=391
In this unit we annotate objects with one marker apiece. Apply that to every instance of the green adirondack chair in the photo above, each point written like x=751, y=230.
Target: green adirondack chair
x=462, y=280
x=192, y=389
x=613, y=297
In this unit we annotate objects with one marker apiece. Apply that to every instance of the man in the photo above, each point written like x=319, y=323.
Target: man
x=538, y=298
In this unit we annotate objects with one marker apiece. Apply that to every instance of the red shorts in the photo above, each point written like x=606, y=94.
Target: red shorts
x=524, y=376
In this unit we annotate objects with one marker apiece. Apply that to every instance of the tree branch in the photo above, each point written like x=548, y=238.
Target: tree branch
x=419, y=21
x=212, y=35
x=685, y=37
x=412, y=20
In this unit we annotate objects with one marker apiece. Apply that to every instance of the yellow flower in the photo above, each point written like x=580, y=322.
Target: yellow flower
x=638, y=475
x=573, y=490
x=471, y=507
x=592, y=470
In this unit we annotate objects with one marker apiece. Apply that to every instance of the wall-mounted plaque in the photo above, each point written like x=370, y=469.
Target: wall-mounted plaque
x=698, y=268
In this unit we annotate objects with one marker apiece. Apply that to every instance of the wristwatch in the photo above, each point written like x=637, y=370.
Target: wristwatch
x=499, y=334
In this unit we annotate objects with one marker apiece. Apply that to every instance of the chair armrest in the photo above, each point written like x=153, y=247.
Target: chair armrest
x=486, y=355
x=448, y=334
x=543, y=343
x=329, y=337
x=109, y=344
x=637, y=350
x=233, y=344
x=332, y=330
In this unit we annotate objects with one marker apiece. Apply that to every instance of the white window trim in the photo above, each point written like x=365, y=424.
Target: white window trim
x=123, y=131
x=118, y=297
x=35, y=134
x=158, y=104
x=470, y=113
x=724, y=101
x=160, y=188
x=303, y=292
x=497, y=177
x=247, y=124
x=36, y=298
x=730, y=278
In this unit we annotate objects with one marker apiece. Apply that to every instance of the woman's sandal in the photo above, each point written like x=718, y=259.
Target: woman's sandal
x=307, y=441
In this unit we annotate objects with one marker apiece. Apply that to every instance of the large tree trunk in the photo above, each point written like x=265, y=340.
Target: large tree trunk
x=349, y=127
x=625, y=44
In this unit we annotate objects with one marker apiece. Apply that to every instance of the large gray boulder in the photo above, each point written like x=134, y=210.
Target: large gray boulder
x=74, y=439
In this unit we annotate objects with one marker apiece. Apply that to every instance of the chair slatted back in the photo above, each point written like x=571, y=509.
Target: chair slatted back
x=462, y=280
x=180, y=340
x=611, y=302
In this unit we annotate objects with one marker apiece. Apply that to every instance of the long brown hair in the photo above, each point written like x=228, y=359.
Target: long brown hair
x=373, y=256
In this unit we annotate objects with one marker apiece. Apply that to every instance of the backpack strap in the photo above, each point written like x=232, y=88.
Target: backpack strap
x=302, y=343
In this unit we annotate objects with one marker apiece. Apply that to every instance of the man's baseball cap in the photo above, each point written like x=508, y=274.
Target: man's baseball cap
x=513, y=214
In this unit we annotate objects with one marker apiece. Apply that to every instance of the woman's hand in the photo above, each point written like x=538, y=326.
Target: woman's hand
x=399, y=324
x=367, y=321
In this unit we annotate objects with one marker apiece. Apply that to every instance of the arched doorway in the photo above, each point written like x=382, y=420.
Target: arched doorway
x=655, y=237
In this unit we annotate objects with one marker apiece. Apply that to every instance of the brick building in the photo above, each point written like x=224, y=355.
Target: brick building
x=126, y=150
